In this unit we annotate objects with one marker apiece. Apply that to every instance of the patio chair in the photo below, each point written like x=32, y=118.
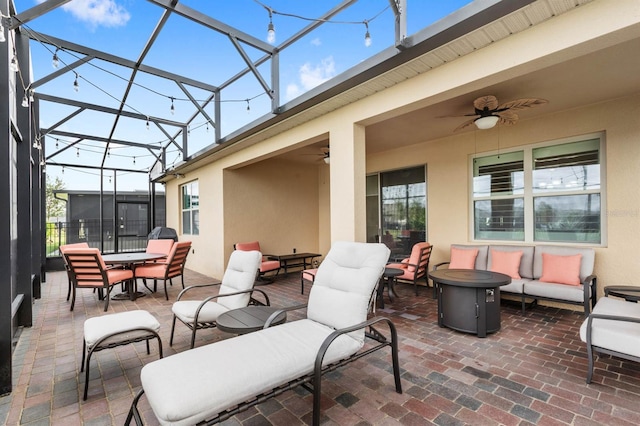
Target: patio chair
x=309, y=275
x=174, y=267
x=214, y=382
x=88, y=270
x=161, y=247
x=266, y=265
x=236, y=291
x=62, y=249
x=416, y=266
x=612, y=328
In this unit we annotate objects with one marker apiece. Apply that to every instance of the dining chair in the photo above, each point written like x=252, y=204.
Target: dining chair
x=174, y=267
x=62, y=249
x=416, y=266
x=236, y=291
x=88, y=270
x=161, y=247
x=266, y=265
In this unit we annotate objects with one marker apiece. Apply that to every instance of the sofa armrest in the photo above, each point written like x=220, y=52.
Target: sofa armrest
x=590, y=284
x=437, y=265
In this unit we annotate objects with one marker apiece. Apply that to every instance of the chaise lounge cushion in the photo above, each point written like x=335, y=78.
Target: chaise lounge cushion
x=619, y=336
x=286, y=352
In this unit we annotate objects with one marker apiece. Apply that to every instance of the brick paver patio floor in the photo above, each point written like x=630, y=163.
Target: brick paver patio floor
x=532, y=371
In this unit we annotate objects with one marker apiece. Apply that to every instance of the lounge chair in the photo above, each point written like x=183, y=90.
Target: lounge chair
x=214, y=382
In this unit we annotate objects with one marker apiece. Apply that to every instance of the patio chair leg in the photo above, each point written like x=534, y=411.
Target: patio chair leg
x=69, y=290
x=133, y=410
x=173, y=327
x=73, y=299
x=193, y=334
x=166, y=294
x=86, y=376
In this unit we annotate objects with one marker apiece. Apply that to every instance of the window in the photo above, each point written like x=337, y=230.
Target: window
x=190, y=209
x=546, y=193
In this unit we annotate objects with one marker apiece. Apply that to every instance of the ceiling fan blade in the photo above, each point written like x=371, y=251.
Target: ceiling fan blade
x=457, y=116
x=507, y=117
x=489, y=102
x=522, y=103
x=463, y=125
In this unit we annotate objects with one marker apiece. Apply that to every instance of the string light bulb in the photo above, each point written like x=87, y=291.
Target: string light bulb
x=134, y=160
x=173, y=108
x=2, y=37
x=76, y=86
x=367, y=36
x=14, y=63
x=55, y=61
x=56, y=143
x=271, y=30
x=147, y=123
x=25, y=101
x=77, y=152
x=248, y=106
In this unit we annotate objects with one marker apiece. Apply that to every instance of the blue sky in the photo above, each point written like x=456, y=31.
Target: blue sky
x=122, y=27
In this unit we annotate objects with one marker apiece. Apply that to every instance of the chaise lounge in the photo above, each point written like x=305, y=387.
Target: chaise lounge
x=212, y=383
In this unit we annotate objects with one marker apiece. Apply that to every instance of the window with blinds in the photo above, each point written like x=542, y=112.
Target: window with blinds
x=559, y=183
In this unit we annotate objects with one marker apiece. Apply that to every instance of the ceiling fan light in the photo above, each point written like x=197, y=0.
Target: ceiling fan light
x=326, y=160
x=487, y=122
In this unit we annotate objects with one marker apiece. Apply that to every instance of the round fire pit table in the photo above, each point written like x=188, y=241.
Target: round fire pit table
x=469, y=299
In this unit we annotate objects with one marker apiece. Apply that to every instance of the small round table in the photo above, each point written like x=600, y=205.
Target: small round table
x=469, y=299
x=389, y=280
x=624, y=292
x=247, y=320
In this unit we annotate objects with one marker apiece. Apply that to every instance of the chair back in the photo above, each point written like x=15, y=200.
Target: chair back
x=346, y=279
x=159, y=246
x=251, y=246
x=419, y=259
x=240, y=275
x=87, y=269
x=177, y=259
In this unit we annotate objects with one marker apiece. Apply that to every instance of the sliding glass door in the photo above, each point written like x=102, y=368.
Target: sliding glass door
x=396, y=209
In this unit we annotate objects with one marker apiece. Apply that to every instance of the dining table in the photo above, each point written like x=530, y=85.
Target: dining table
x=130, y=261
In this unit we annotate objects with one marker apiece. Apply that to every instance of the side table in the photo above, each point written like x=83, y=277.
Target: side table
x=248, y=319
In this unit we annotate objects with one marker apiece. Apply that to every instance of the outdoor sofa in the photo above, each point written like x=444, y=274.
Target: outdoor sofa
x=547, y=272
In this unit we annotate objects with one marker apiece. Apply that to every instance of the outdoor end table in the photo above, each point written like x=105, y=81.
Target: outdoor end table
x=469, y=299
x=389, y=280
x=624, y=292
x=247, y=320
x=129, y=260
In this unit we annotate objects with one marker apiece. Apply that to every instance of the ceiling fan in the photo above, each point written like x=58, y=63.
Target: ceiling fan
x=324, y=154
x=488, y=112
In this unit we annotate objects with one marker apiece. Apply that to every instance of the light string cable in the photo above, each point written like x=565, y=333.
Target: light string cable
x=364, y=22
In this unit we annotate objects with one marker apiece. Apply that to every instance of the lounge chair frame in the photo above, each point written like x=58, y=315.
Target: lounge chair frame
x=313, y=381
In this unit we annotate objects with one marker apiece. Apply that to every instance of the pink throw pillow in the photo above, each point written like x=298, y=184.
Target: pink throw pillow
x=463, y=258
x=506, y=262
x=561, y=269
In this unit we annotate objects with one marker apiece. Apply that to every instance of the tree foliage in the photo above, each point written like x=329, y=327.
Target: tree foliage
x=55, y=208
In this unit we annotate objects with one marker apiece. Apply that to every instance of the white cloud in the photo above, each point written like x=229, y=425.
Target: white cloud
x=316, y=42
x=98, y=12
x=311, y=76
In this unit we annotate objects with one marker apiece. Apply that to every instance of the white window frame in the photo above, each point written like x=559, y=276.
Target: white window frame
x=529, y=195
x=190, y=209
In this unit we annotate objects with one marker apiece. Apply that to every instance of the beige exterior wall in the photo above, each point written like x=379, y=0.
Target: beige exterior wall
x=251, y=194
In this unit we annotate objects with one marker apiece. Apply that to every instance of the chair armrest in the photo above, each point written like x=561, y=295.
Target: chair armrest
x=210, y=298
x=267, y=302
x=273, y=316
x=631, y=289
x=437, y=265
x=191, y=287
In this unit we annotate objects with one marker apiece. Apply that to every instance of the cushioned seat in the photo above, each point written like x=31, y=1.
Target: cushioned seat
x=613, y=328
x=108, y=331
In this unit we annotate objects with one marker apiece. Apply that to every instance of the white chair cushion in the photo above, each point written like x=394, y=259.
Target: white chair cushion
x=186, y=310
x=240, y=275
x=195, y=385
x=572, y=293
x=619, y=336
x=98, y=327
x=344, y=284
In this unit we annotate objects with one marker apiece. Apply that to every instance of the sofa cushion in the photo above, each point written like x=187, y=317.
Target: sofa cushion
x=561, y=269
x=526, y=261
x=481, y=258
x=571, y=293
x=463, y=258
x=516, y=286
x=586, y=264
x=197, y=384
x=505, y=262
x=619, y=336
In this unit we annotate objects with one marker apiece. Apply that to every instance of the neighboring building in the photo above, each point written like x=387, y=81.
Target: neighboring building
x=581, y=56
